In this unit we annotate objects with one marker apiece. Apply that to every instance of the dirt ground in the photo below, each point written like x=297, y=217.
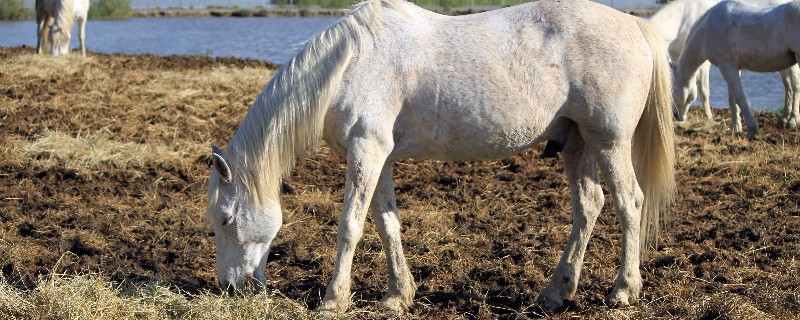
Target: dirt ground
x=481, y=238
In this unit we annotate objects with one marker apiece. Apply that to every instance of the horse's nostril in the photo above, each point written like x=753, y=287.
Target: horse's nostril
x=258, y=283
x=227, y=286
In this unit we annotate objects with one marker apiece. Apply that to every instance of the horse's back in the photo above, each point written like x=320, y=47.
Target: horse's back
x=752, y=34
x=489, y=85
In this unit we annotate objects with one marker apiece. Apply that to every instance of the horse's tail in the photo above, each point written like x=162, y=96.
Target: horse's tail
x=653, y=149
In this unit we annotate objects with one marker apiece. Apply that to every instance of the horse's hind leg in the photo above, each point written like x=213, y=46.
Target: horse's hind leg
x=384, y=213
x=580, y=165
x=703, y=86
x=791, y=82
x=617, y=167
x=731, y=75
x=366, y=156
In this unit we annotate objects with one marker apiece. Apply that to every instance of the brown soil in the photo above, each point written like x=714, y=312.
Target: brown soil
x=481, y=238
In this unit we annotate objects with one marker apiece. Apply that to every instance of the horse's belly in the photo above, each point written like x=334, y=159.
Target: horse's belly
x=766, y=62
x=467, y=137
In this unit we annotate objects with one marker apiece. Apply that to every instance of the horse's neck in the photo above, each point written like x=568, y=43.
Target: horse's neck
x=688, y=63
x=64, y=14
x=286, y=120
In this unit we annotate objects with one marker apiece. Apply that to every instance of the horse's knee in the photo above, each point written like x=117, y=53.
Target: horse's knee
x=349, y=232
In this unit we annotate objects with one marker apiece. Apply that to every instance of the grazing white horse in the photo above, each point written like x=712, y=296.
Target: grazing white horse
x=735, y=36
x=393, y=81
x=675, y=21
x=57, y=16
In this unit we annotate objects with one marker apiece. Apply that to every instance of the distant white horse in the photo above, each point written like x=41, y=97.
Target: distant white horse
x=393, y=81
x=675, y=21
x=54, y=16
x=734, y=36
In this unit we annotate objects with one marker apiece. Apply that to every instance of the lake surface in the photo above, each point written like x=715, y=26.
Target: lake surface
x=273, y=39
x=276, y=39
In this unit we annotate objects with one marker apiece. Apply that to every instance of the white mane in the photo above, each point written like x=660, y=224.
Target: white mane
x=63, y=13
x=285, y=120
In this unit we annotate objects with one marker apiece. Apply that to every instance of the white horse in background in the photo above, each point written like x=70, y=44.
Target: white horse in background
x=675, y=21
x=735, y=36
x=54, y=20
x=392, y=81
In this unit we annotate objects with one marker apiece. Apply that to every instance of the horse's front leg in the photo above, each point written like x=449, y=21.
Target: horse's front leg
x=736, y=115
x=41, y=34
x=82, y=35
x=617, y=166
x=580, y=165
x=703, y=86
x=791, y=103
x=384, y=212
x=731, y=75
x=365, y=159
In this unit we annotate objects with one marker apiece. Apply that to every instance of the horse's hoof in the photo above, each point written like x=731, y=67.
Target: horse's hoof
x=332, y=306
x=733, y=131
x=395, y=304
x=752, y=136
x=621, y=298
x=550, y=299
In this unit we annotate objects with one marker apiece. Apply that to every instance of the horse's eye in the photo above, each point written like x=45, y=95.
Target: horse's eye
x=227, y=220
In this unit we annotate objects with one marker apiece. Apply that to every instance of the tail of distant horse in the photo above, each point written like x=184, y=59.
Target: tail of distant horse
x=653, y=149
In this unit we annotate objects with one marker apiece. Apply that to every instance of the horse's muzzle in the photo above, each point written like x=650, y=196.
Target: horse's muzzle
x=254, y=285
x=677, y=116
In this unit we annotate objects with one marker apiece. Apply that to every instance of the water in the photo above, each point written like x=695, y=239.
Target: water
x=276, y=39
x=273, y=39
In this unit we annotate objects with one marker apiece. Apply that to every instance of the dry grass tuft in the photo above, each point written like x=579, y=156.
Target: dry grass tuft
x=94, y=296
x=90, y=150
x=44, y=66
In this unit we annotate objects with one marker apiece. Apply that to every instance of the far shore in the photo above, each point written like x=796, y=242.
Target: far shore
x=294, y=11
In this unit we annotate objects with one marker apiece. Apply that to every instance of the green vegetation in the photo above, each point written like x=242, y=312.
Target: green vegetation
x=110, y=9
x=14, y=10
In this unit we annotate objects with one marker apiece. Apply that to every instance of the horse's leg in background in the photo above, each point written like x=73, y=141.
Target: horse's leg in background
x=731, y=75
x=703, y=74
x=366, y=156
x=580, y=165
x=42, y=38
x=791, y=104
x=39, y=29
x=384, y=213
x=736, y=115
x=82, y=34
x=617, y=166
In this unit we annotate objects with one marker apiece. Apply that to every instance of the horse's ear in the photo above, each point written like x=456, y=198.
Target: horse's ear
x=220, y=164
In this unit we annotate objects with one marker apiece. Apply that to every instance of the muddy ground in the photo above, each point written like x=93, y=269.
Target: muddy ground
x=481, y=238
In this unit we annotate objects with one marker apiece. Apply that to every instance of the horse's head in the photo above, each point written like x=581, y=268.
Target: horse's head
x=242, y=228
x=60, y=38
x=683, y=94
